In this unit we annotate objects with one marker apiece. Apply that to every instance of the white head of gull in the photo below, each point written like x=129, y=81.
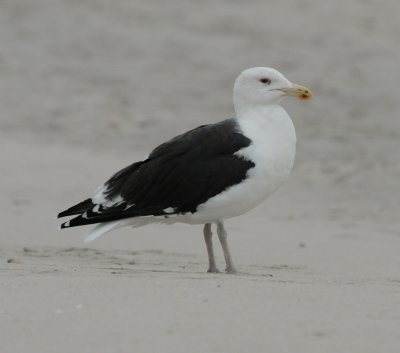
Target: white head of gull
x=261, y=86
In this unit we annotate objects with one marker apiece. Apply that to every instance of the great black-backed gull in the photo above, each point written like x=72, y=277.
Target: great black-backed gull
x=208, y=174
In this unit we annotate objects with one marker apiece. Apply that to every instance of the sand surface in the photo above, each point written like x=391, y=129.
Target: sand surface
x=87, y=87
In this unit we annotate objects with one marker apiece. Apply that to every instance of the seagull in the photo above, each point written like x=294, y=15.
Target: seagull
x=206, y=175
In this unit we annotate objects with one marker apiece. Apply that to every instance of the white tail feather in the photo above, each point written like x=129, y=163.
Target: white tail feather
x=102, y=229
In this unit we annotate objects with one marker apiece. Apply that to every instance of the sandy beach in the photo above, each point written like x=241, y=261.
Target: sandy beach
x=87, y=87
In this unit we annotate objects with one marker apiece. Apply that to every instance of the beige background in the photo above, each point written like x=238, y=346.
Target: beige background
x=87, y=87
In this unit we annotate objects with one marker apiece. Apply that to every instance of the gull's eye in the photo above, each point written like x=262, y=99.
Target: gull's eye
x=265, y=80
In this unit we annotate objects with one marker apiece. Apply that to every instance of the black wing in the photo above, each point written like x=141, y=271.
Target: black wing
x=177, y=176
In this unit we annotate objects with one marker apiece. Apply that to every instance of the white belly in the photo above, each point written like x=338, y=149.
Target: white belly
x=273, y=151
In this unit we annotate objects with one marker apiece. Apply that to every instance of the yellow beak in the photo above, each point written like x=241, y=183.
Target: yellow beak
x=301, y=92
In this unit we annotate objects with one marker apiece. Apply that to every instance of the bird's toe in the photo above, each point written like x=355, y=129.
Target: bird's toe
x=232, y=270
x=213, y=270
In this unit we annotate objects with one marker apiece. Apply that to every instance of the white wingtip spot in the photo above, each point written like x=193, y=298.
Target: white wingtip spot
x=128, y=206
x=96, y=208
x=169, y=210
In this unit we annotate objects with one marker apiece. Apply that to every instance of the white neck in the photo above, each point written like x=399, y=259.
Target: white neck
x=262, y=114
x=269, y=127
x=273, y=139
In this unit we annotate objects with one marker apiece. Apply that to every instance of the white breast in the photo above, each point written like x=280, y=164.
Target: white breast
x=272, y=150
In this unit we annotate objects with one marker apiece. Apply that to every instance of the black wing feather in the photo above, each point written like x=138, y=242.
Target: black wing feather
x=181, y=173
x=77, y=209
